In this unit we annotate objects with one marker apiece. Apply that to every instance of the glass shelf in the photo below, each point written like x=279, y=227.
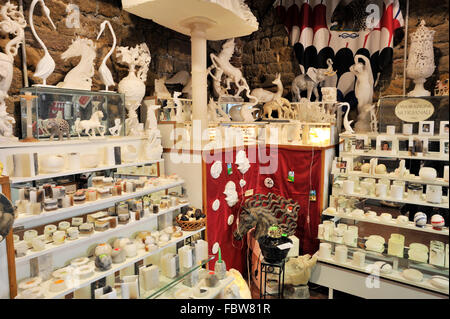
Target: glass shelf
x=168, y=283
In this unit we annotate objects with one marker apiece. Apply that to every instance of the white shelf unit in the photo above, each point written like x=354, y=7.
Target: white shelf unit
x=142, y=254
x=436, y=157
x=415, y=180
x=410, y=225
x=444, y=203
x=52, y=248
x=17, y=180
x=394, y=275
x=403, y=136
x=27, y=220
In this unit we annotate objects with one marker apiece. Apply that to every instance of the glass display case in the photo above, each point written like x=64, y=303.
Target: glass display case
x=70, y=105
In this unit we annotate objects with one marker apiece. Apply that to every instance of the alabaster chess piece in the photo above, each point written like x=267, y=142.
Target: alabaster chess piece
x=12, y=22
x=105, y=73
x=421, y=59
x=46, y=65
x=133, y=85
x=364, y=92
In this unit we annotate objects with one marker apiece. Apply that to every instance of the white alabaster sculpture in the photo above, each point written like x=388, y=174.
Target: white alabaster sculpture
x=133, y=85
x=105, y=73
x=183, y=78
x=12, y=22
x=348, y=128
x=246, y=112
x=213, y=109
x=421, y=59
x=152, y=146
x=179, y=116
x=240, y=8
x=364, y=92
x=265, y=96
x=89, y=126
x=161, y=90
x=115, y=130
x=151, y=122
x=242, y=162
x=73, y=16
x=231, y=194
x=46, y=65
x=80, y=77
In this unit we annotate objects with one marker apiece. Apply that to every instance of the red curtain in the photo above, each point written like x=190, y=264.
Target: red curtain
x=307, y=168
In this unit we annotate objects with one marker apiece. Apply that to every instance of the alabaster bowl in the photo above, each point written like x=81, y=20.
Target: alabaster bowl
x=89, y=160
x=129, y=154
x=427, y=173
x=52, y=164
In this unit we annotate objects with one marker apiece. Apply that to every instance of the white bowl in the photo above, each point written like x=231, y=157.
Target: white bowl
x=51, y=163
x=90, y=160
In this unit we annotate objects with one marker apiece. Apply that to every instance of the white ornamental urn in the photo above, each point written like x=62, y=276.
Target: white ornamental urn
x=421, y=59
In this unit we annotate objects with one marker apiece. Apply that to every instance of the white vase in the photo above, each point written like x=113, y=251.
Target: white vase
x=134, y=90
x=421, y=59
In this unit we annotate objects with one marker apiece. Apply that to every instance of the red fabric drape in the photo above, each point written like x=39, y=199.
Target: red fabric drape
x=307, y=167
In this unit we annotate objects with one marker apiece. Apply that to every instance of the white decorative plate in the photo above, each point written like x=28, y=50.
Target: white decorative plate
x=230, y=220
x=268, y=182
x=216, y=169
x=216, y=205
x=215, y=248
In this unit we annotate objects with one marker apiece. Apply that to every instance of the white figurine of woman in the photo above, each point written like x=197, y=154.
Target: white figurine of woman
x=46, y=65
x=105, y=74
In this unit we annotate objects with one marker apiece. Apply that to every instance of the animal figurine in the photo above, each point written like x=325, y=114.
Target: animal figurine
x=265, y=96
x=213, y=108
x=80, y=77
x=89, y=126
x=246, y=112
x=298, y=269
x=46, y=65
x=151, y=122
x=160, y=89
x=105, y=74
x=269, y=107
x=57, y=126
x=179, y=117
x=309, y=82
x=115, y=130
x=348, y=128
x=183, y=78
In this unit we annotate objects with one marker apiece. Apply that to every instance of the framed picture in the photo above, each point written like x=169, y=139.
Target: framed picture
x=386, y=144
x=443, y=128
x=360, y=144
x=403, y=144
x=444, y=148
x=426, y=128
x=419, y=147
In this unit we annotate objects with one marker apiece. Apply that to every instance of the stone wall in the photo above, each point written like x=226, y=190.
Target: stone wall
x=170, y=51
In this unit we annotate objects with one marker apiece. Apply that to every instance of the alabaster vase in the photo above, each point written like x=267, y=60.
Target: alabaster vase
x=133, y=89
x=421, y=59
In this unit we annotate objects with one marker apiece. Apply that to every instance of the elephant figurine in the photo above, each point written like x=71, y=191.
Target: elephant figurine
x=57, y=126
x=310, y=81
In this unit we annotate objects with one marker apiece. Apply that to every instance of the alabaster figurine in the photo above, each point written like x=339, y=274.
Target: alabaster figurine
x=160, y=89
x=364, y=92
x=80, y=77
x=133, y=85
x=222, y=66
x=185, y=79
x=298, y=270
x=12, y=22
x=179, y=117
x=115, y=130
x=265, y=96
x=46, y=65
x=105, y=74
x=152, y=146
x=348, y=128
x=421, y=59
x=151, y=122
x=213, y=109
x=90, y=126
x=231, y=194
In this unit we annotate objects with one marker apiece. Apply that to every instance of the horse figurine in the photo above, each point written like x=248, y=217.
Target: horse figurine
x=80, y=77
x=90, y=125
x=222, y=62
x=262, y=211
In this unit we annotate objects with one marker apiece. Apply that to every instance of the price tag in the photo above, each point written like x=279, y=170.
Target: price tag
x=248, y=193
x=285, y=246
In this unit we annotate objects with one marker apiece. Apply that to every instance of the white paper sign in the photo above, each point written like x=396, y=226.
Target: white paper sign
x=285, y=246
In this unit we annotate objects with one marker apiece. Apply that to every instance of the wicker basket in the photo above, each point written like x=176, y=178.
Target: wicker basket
x=191, y=225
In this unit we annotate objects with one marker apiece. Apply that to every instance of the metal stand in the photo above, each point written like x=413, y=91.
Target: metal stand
x=274, y=270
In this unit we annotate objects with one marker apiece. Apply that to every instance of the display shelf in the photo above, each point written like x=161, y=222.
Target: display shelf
x=52, y=248
x=16, y=180
x=395, y=275
x=411, y=225
x=166, y=283
x=142, y=254
x=436, y=157
x=416, y=179
x=384, y=256
x=28, y=220
x=444, y=203
x=398, y=135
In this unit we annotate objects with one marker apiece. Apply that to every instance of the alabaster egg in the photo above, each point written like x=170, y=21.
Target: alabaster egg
x=103, y=248
x=437, y=221
x=365, y=168
x=380, y=169
x=428, y=173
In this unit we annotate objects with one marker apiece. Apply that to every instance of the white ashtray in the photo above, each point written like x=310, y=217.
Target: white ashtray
x=30, y=283
x=58, y=285
x=413, y=275
x=62, y=273
x=439, y=282
x=78, y=262
x=85, y=271
x=31, y=293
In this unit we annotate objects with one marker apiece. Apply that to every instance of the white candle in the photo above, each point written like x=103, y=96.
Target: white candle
x=325, y=250
x=407, y=128
x=348, y=187
x=130, y=287
x=390, y=129
x=397, y=191
x=185, y=254
x=359, y=258
x=446, y=173
x=341, y=254
x=201, y=250
x=150, y=277
x=381, y=190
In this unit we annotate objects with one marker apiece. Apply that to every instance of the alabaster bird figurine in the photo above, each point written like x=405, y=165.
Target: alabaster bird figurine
x=46, y=65
x=348, y=128
x=105, y=74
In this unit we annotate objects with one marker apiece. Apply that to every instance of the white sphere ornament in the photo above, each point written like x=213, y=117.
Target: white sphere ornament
x=420, y=219
x=437, y=221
